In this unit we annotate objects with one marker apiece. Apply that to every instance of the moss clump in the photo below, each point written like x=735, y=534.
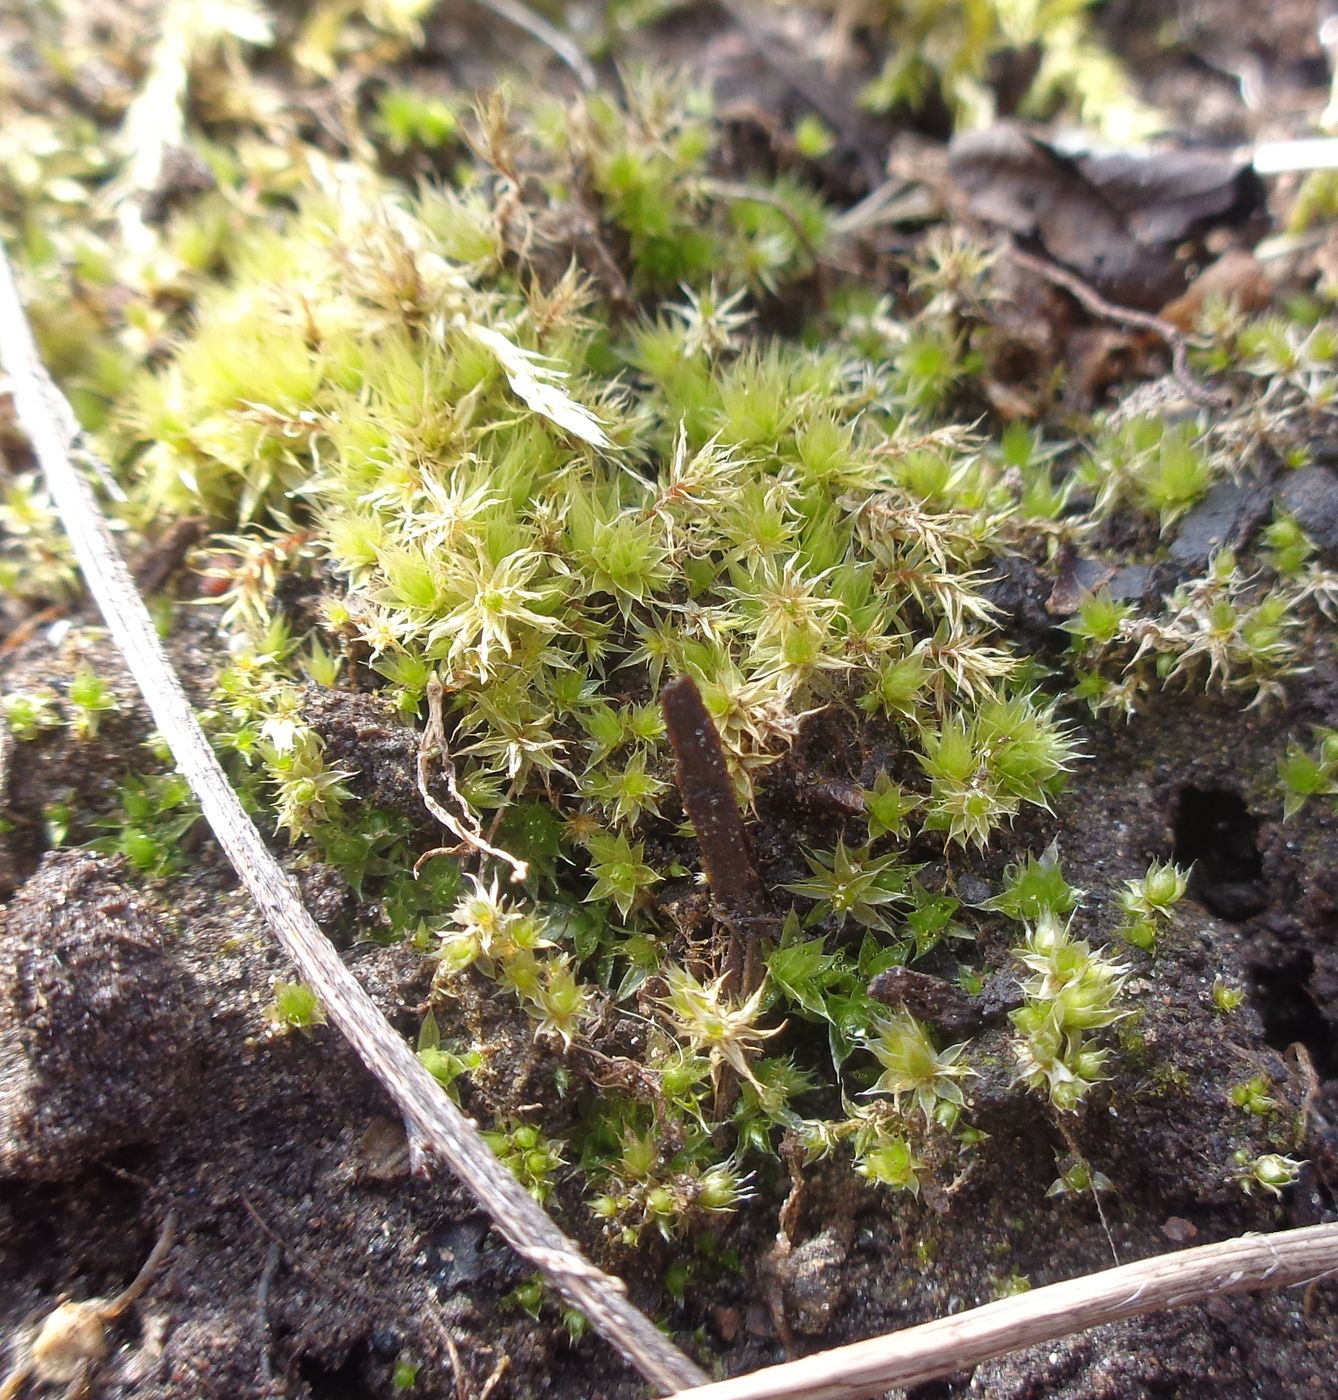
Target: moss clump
x=950, y=52
x=544, y=493
x=433, y=428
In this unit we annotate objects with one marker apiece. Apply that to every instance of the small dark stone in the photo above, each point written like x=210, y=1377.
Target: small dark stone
x=1224, y=519
x=462, y=1255
x=728, y=1322
x=757, y=1322
x=1131, y=583
x=1311, y=495
x=1075, y=577
x=1019, y=590
x=825, y=794
x=385, y=1341
x=1078, y=577
x=971, y=889
x=1178, y=1230
x=944, y=1005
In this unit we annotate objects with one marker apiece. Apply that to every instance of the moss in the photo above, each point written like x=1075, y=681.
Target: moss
x=398, y=403
x=949, y=50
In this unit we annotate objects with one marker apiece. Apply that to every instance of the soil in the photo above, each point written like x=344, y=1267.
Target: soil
x=139, y=1074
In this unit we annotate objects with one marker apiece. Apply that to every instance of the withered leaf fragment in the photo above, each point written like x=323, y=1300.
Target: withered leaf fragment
x=1116, y=220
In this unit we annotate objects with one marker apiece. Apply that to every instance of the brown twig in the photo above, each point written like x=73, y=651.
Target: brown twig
x=949, y=1344
x=708, y=797
x=736, y=191
x=30, y=626
x=1310, y=1086
x=267, y=1275
x=138, y=1286
x=429, y=1114
x=155, y=567
x=457, y=1370
x=1071, y=1142
x=1091, y=300
x=739, y=192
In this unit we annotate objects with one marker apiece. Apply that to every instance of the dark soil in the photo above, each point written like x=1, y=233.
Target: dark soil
x=139, y=1074
x=140, y=1077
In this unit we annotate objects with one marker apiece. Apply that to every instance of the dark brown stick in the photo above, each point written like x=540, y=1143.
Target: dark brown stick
x=708, y=798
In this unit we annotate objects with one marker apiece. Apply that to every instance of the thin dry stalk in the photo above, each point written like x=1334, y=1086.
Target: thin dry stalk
x=462, y=824
x=438, y=1124
x=561, y=44
x=1091, y=300
x=950, y=1344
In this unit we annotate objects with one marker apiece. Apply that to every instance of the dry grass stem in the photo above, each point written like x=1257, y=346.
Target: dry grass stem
x=49, y=422
x=955, y=1343
x=463, y=825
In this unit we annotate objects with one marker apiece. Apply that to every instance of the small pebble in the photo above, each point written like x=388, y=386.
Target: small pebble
x=1178, y=1230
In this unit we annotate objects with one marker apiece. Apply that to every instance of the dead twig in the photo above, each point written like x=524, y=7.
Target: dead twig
x=708, y=797
x=50, y=425
x=433, y=1315
x=457, y=1370
x=1309, y=1119
x=897, y=200
x=738, y=192
x=138, y=1286
x=1091, y=300
x=1071, y=1142
x=498, y=1373
x=263, y=1290
x=955, y=1343
x=1300, y=1056
x=30, y=626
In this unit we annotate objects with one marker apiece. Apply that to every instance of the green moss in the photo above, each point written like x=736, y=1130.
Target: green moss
x=1270, y=1172
x=29, y=713
x=155, y=813
x=1252, y=1096
x=295, y=1007
x=1306, y=773
x=914, y=1067
x=947, y=50
x=1147, y=903
x=430, y=451
x=1071, y=992
x=1225, y=998
x=36, y=565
